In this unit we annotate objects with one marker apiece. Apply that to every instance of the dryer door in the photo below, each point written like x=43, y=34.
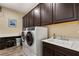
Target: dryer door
x=29, y=38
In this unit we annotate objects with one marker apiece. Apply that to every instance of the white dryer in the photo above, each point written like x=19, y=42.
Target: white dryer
x=33, y=43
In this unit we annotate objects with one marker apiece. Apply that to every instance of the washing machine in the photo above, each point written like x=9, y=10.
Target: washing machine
x=23, y=37
x=32, y=43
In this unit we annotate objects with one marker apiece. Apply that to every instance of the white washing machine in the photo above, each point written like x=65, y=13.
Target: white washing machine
x=23, y=37
x=32, y=43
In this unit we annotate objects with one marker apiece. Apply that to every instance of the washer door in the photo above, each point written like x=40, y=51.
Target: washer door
x=29, y=38
x=23, y=36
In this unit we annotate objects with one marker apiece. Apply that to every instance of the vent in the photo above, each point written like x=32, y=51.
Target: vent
x=0, y=8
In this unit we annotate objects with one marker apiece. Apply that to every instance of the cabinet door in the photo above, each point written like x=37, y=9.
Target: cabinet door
x=77, y=9
x=36, y=15
x=64, y=12
x=24, y=22
x=48, y=52
x=59, y=53
x=30, y=19
x=27, y=20
x=46, y=13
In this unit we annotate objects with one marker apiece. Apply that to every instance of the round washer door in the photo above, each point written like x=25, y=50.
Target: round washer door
x=23, y=36
x=29, y=38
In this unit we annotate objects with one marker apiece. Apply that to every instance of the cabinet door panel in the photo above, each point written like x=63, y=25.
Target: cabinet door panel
x=46, y=13
x=23, y=23
x=58, y=54
x=27, y=21
x=36, y=15
x=48, y=52
x=64, y=12
x=30, y=19
x=77, y=9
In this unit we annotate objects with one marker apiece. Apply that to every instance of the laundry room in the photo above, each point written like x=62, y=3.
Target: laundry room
x=39, y=29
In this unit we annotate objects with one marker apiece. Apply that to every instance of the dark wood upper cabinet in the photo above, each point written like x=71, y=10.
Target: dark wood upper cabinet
x=46, y=13
x=49, y=13
x=36, y=15
x=64, y=12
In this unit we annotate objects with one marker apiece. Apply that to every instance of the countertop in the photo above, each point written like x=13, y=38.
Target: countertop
x=9, y=35
x=73, y=45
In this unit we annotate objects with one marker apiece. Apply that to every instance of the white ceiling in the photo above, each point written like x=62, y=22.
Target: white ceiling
x=20, y=7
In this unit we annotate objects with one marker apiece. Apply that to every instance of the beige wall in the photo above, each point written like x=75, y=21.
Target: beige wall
x=68, y=29
x=6, y=14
